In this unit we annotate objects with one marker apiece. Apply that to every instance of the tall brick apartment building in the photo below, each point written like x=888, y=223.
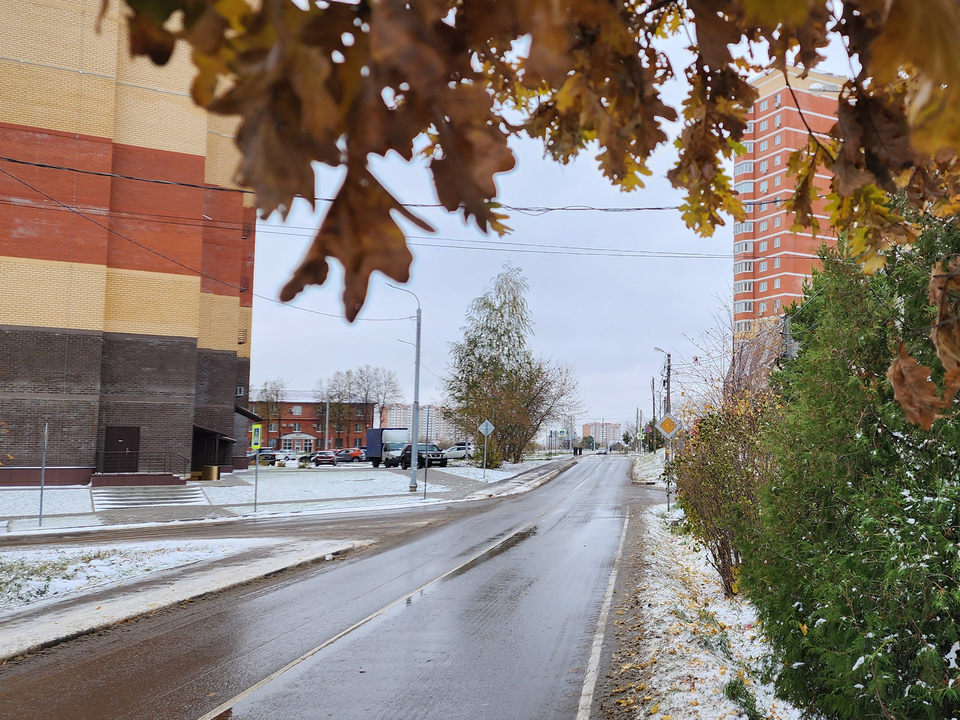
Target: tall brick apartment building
x=770, y=261
x=126, y=254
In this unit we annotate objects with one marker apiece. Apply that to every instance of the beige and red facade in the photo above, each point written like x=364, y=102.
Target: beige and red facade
x=770, y=261
x=127, y=301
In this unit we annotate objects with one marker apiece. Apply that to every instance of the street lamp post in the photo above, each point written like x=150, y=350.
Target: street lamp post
x=415, y=427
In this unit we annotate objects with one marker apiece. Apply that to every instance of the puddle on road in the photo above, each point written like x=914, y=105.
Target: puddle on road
x=493, y=552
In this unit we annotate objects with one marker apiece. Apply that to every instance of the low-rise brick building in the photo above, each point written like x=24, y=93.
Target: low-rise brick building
x=300, y=425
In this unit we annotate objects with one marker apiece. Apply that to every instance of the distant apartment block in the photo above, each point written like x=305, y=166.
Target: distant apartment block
x=770, y=261
x=603, y=433
x=434, y=426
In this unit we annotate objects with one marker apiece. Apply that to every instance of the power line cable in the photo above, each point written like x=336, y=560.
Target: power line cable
x=477, y=243
x=183, y=265
x=533, y=211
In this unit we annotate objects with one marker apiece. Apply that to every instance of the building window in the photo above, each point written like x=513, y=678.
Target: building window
x=763, y=145
x=308, y=445
x=743, y=266
x=776, y=159
x=743, y=306
x=749, y=127
x=763, y=166
x=776, y=100
x=776, y=223
x=357, y=443
x=357, y=427
x=339, y=443
x=742, y=247
x=763, y=125
x=776, y=121
x=745, y=286
x=743, y=227
x=776, y=139
x=272, y=443
x=763, y=287
x=776, y=181
x=296, y=427
x=763, y=105
x=288, y=444
x=748, y=145
x=763, y=245
x=776, y=264
x=763, y=266
x=744, y=187
x=776, y=304
x=745, y=166
x=239, y=390
x=763, y=308
x=776, y=283
x=776, y=240
x=763, y=186
x=763, y=228
x=763, y=206
x=743, y=326
x=272, y=427
x=296, y=410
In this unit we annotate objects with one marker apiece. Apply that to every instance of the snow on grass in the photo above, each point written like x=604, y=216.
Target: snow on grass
x=290, y=485
x=27, y=576
x=16, y=502
x=703, y=652
x=504, y=472
x=648, y=467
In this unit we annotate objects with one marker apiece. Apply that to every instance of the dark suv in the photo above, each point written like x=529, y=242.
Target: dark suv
x=427, y=454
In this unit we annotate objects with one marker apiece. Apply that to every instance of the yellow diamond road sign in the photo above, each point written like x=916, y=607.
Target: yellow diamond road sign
x=668, y=426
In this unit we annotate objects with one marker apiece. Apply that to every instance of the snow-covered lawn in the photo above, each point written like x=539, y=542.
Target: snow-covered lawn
x=30, y=575
x=291, y=485
x=698, y=647
x=505, y=471
x=56, y=501
x=648, y=467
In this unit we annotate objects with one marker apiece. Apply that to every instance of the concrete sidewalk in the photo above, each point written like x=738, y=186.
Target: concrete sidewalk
x=50, y=621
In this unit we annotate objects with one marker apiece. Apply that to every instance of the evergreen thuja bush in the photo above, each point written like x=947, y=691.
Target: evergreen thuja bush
x=853, y=559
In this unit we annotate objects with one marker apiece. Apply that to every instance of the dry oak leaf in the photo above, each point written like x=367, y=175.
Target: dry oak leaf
x=914, y=390
x=360, y=232
x=944, y=294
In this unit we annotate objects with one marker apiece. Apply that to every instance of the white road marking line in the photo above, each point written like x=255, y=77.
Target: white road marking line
x=223, y=707
x=593, y=666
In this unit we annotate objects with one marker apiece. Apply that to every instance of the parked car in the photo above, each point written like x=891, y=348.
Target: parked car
x=270, y=454
x=324, y=457
x=460, y=451
x=427, y=453
x=351, y=455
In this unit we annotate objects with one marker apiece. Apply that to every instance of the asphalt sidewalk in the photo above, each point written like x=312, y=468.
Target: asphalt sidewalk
x=50, y=621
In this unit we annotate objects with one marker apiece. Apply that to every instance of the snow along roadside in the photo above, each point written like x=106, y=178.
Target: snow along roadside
x=697, y=648
x=47, y=623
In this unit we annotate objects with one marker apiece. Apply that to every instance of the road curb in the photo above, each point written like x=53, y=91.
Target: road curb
x=43, y=626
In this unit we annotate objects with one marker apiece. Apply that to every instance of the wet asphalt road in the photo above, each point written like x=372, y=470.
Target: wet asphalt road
x=489, y=616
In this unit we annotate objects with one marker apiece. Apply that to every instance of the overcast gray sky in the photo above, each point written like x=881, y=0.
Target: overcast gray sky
x=602, y=315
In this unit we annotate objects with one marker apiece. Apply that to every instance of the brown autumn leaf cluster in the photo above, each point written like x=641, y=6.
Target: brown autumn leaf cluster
x=335, y=82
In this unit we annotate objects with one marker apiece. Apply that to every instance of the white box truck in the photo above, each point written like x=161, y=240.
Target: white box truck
x=384, y=445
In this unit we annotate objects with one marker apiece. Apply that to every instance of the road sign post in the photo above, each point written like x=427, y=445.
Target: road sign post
x=486, y=427
x=256, y=440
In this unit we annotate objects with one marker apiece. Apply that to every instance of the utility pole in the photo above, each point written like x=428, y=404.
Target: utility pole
x=636, y=437
x=415, y=425
x=326, y=425
x=668, y=385
x=415, y=429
